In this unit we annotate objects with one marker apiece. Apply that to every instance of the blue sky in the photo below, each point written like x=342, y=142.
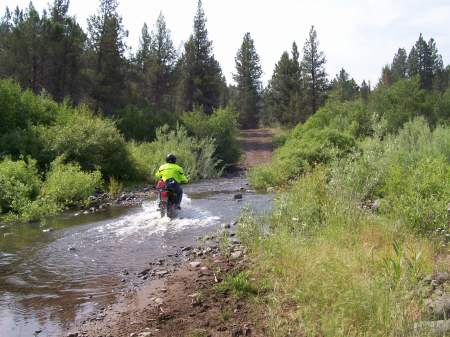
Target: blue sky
x=360, y=36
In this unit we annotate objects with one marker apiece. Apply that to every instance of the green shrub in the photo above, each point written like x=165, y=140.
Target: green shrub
x=19, y=185
x=300, y=153
x=67, y=185
x=420, y=195
x=140, y=123
x=352, y=118
x=280, y=137
x=93, y=142
x=220, y=126
x=409, y=172
x=195, y=156
x=20, y=111
x=402, y=102
x=115, y=187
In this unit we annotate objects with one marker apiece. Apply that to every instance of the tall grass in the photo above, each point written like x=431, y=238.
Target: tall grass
x=336, y=269
x=195, y=155
x=338, y=266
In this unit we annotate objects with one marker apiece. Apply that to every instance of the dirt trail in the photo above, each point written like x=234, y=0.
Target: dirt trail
x=257, y=147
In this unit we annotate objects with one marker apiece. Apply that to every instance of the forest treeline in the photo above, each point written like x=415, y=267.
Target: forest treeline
x=153, y=85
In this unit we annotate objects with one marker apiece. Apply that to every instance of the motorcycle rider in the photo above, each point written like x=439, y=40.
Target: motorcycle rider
x=173, y=175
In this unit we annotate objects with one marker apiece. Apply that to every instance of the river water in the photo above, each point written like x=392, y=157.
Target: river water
x=50, y=279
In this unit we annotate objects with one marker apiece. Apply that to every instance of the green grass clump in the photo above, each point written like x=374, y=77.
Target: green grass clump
x=238, y=285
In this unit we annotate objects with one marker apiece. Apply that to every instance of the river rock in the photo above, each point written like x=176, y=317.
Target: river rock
x=158, y=301
x=195, y=264
x=434, y=328
x=73, y=334
x=71, y=249
x=162, y=273
x=145, y=334
x=238, y=196
x=440, y=307
x=237, y=254
x=441, y=277
x=375, y=206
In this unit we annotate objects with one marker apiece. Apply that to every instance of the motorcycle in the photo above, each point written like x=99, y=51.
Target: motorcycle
x=166, y=200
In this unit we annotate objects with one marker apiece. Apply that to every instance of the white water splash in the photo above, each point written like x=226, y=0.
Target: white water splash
x=148, y=221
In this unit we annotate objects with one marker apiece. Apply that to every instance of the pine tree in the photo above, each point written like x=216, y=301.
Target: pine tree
x=64, y=40
x=365, y=91
x=107, y=47
x=248, y=80
x=163, y=57
x=314, y=75
x=143, y=53
x=386, y=77
x=201, y=80
x=6, y=27
x=399, y=65
x=343, y=87
x=283, y=97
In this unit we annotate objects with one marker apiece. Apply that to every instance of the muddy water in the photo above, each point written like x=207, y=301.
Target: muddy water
x=50, y=279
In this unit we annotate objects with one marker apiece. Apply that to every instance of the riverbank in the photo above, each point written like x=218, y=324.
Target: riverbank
x=193, y=299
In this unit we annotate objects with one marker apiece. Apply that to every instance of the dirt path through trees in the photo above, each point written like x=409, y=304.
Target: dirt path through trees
x=257, y=147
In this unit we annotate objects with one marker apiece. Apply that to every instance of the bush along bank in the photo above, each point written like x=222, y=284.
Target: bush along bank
x=357, y=244
x=54, y=156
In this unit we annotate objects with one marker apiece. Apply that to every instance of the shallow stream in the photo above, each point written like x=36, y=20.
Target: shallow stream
x=49, y=279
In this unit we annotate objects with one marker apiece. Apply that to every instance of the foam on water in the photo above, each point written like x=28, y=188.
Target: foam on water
x=148, y=221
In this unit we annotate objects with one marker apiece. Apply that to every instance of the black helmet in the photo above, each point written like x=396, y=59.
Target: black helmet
x=171, y=158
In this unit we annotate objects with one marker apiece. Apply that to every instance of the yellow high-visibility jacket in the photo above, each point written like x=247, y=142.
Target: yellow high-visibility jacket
x=174, y=171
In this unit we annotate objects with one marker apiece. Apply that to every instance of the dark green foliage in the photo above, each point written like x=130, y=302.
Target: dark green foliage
x=43, y=52
x=284, y=94
x=140, y=123
x=64, y=41
x=106, y=57
x=248, y=80
x=155, y=64
x=220, y=126
x=424, y=61
x=386, y=77
x=201, y=80
x=399, y=65
x=343, y=87
x=365, y=91
x=314, y=75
